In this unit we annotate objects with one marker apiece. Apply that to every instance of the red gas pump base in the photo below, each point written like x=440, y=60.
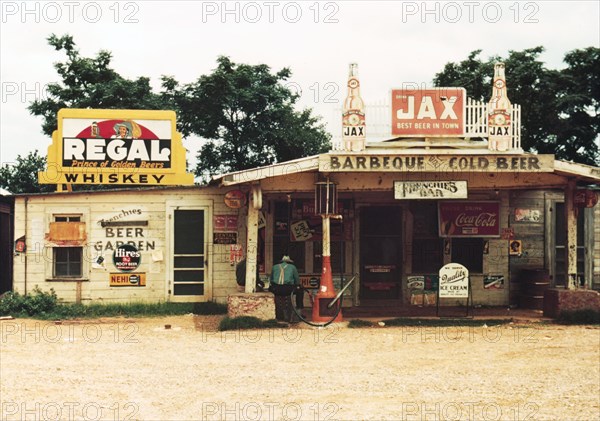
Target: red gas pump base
x=320, y=312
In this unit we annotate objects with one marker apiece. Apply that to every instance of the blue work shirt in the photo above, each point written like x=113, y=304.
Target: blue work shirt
x=290, y=274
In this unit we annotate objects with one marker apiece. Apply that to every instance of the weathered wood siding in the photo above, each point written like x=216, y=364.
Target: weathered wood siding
x=596, y=251
x=531, y=231
x=152, y=241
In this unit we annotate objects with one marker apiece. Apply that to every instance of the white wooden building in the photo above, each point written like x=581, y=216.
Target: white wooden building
x=447, y=184
x=188, y=238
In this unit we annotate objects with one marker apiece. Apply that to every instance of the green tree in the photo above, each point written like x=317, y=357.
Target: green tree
x=579, y=104
x=244, y=113
x=247, y=117
x=91, y=83
x=559, y=108
x=21, y=177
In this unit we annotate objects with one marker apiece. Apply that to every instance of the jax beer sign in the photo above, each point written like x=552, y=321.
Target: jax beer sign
x=116, y=147
x=428, y=112
x=469, y=219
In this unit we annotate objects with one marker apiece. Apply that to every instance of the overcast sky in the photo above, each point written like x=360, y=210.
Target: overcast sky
x=393, y=42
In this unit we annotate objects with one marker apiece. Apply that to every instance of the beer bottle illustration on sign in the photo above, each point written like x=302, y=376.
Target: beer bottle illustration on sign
x=499, y=118
x=353, y=114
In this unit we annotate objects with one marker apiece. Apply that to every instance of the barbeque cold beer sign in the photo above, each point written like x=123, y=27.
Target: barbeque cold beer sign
x=116, y=147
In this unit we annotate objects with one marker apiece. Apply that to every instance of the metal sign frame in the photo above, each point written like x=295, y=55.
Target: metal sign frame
x=469, y=307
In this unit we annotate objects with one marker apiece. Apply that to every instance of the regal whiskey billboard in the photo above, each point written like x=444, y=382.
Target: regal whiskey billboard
x=136, y=147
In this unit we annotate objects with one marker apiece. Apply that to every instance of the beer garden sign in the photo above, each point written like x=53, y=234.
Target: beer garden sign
x=134, y=147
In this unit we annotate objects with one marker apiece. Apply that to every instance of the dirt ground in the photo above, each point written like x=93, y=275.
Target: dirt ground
x=118, y=369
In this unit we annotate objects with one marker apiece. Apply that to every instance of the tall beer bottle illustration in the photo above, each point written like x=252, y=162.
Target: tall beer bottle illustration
x=499, y=118
x=353, y=114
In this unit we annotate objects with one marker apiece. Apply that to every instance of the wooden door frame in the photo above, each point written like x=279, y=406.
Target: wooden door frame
x=360, y=208
x=171, y=207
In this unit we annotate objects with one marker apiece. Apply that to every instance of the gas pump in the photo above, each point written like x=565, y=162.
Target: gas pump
x=327, y=305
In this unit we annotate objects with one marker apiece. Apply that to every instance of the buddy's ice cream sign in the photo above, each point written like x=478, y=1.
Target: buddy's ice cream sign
x=116, y=147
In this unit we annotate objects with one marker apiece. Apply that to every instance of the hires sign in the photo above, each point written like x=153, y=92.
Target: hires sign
x=428, y=112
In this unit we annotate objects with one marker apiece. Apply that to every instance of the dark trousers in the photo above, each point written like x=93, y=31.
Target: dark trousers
x=283, y=302
x=287, y=290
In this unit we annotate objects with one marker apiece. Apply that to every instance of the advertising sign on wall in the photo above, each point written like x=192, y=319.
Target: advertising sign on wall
x=430, y=190
x=428, y=112
x=469, y=219
x=300, y=231
x=236, y=253
x=416, y=282
x=116, y=147
x=127, y=279
x=225, y=222
x=126, y=257
x=528, y=215
x=491, y=282
x=585, y=198
x=224, y=237
x=515, y=248
x=235, y=199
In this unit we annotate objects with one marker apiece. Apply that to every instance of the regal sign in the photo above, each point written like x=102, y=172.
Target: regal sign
x=469, y=219
x=428, y=112
x=116, y=147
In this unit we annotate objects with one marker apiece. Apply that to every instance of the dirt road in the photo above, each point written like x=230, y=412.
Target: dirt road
x=136, y=369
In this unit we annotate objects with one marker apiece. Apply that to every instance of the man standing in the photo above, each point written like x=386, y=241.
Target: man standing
x=284, y=278
x=240, y=275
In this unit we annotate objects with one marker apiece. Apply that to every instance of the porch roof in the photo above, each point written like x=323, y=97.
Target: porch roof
x=585, y=173
x=582, y=172
x=309, y=163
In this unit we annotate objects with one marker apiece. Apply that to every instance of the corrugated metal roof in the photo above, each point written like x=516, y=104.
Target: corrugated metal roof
x=310, y=163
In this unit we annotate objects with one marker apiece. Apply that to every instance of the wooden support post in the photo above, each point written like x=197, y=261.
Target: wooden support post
x=571, y=236
x=254, y=204
x=78, y=293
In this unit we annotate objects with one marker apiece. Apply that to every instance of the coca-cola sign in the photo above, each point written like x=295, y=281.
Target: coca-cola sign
x=469, y=219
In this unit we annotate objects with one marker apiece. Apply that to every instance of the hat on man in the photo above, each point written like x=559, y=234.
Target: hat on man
x=287, y=259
